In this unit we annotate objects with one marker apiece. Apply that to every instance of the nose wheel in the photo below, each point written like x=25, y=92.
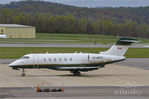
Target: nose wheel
x=23, y=72
x=76, y=73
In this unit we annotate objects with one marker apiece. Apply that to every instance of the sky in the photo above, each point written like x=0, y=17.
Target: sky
x=95, y=3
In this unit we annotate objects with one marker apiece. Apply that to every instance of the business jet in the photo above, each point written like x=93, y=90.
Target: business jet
x=3, y=36
x=74, y=62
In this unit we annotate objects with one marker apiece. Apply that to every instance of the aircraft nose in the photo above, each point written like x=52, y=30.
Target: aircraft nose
x=12, y=64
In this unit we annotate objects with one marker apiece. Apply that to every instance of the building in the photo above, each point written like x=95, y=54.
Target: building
x=17, y=31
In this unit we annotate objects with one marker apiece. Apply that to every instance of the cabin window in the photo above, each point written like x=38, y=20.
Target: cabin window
x=70, y=59
x=44, y=59
x=65, y=59
x=60, y=59
x=54, y=59
x=49, y=59
x=25, y=57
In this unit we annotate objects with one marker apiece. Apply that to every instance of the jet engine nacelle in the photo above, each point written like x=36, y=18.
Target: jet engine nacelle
x=3, y=36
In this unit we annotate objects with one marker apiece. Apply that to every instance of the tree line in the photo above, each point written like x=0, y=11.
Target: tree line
x=46, y=23
x=57, y=18
x=120, y=14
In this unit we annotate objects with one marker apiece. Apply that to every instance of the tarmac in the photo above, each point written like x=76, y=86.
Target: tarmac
x=123, y=80
x=141, y=63
x=99, y=92
x=111, y=75
x=111, y=82
x=59, y=44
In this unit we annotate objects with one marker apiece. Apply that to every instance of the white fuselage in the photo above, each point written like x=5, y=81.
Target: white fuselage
x=61, y=60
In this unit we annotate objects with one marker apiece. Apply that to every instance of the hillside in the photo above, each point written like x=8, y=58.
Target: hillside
x=70, y=19
x=139, y=14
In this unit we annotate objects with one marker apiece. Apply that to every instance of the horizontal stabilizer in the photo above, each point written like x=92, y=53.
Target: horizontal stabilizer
x=126, y=41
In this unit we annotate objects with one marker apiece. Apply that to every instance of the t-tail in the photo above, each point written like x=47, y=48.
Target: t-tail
x=120, y=47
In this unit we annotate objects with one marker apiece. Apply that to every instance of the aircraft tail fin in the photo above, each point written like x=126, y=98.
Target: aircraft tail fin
x=120, y=47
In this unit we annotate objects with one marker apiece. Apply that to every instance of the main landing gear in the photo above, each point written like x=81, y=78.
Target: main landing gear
x=23, y=72
x=76, y=73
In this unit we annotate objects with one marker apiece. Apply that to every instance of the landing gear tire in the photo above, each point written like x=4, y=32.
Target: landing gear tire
x=76, y=73
x=23, y=74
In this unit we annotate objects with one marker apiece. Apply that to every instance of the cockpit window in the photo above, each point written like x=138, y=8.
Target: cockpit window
x=25, y=57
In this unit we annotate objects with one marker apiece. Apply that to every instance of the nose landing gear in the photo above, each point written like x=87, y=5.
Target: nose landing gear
x=23, y=72
x=76, y=73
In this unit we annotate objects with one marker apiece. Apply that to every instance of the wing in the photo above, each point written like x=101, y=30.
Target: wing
x=78, y=68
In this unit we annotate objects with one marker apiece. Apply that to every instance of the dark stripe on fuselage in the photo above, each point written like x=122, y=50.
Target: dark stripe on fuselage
x=57, y=66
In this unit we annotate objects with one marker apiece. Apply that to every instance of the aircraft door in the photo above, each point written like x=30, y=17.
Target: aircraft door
x=36, y=61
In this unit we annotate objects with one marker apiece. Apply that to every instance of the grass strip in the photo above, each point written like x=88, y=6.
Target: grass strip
x=17, y=52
